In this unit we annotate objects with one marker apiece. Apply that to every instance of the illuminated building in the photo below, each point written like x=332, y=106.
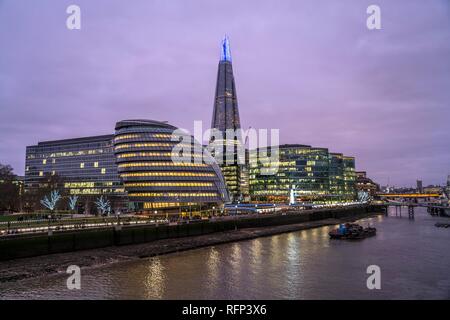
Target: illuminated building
x=363, y=183
x=156, y=178
x=313, y=173
x=419, y=187
x=83, y=166
x=226, y=119
x=350, y=192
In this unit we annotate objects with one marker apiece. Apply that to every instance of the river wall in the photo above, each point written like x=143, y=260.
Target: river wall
x=30, y=245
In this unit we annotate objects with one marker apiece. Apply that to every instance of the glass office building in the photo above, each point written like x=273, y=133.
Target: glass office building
x=226, y=122
x=83, y=166
x=164, y=169
x=314, y=174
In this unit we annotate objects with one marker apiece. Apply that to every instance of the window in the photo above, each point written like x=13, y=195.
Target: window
x=96, y=164
x=82, y=165
x=103, y=170
x=41, y=173
x=44, y=161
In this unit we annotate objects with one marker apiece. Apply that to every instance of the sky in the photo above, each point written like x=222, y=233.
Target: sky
x=309, y=68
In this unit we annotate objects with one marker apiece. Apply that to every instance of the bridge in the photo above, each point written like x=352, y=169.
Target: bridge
x=433, y=208
x=409, y=195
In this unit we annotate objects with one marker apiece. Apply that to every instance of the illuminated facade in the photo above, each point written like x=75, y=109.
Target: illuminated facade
x=314, y=174
x=365, y=184
x=83, y=166
x=158, y=175
x=226, y=119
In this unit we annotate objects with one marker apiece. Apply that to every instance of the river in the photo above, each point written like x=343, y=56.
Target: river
x=413, y=256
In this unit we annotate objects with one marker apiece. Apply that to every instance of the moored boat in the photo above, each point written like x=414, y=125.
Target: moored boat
x=351, y=231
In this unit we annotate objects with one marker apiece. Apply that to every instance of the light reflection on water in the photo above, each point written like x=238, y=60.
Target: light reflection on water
x=413, y=256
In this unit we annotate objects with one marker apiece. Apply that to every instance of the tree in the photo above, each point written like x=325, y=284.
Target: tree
x=50, y=202
x=73, y=202
x=9, y=189
x=47, y=183
x=103, y=205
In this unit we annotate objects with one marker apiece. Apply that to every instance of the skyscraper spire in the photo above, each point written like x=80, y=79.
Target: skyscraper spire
x=225, y=52
x=226, y=113
x=225, y=119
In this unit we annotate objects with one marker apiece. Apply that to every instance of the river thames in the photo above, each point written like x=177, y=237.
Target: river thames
x=413, y=256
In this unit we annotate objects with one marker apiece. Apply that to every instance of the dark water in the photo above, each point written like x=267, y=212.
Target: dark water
x=413, y=256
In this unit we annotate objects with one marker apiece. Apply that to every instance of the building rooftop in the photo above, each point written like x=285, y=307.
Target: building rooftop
x=143, y=122
x=76, y=140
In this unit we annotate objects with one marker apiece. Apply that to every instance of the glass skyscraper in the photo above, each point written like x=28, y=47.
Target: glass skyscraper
x=227, y=141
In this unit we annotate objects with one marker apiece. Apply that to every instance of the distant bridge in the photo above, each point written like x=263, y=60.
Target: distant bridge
x=433, y=208
x=409, y=195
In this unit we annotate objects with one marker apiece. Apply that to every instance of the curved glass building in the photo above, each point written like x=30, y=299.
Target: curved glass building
x=165, y=169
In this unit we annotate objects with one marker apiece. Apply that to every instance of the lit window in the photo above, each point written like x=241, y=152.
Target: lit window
x=82, y=165
x=96, y=164
x=44, y=161
x=53, y=172
x=27, y=168
x=103, y=170
x=41, y=173
x=53, y=160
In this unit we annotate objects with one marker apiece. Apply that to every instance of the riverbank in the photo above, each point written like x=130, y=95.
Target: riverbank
x=18, y=269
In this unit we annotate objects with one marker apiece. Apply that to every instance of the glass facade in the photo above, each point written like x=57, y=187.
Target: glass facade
x=226, y=118
x=315, y=174
x=83, y=166
x=158, y=177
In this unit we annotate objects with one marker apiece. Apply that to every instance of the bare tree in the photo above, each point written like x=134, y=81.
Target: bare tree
x=9, y=189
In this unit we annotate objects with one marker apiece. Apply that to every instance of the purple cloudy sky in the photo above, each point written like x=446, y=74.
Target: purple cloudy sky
x=310, y=68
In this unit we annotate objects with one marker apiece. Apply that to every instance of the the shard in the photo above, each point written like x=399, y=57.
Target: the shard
x=226, y=123
x=226, y=112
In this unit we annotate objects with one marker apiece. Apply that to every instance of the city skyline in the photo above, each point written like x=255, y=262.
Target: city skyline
x=376, y=108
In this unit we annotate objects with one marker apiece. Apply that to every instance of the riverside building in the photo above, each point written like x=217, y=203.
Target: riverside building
x=85, y=167
x=165, y=169
x=314, y=174
x=226, y=124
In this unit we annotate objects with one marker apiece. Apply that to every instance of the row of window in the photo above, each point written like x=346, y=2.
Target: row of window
x=168, y=184
x=53, y=172
x=166, y=174
x=161, y=164
x=96, y=191
x=133, y=136
x=157, y=205
x=173, y=194
x=154, y=154
x=151, y=144
x=87, y=184
x=66, y=154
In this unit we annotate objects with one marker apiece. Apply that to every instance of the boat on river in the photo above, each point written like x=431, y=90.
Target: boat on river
x=352, y=231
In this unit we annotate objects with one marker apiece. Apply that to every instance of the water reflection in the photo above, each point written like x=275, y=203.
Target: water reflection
x=297, y=265
x=155, y=279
